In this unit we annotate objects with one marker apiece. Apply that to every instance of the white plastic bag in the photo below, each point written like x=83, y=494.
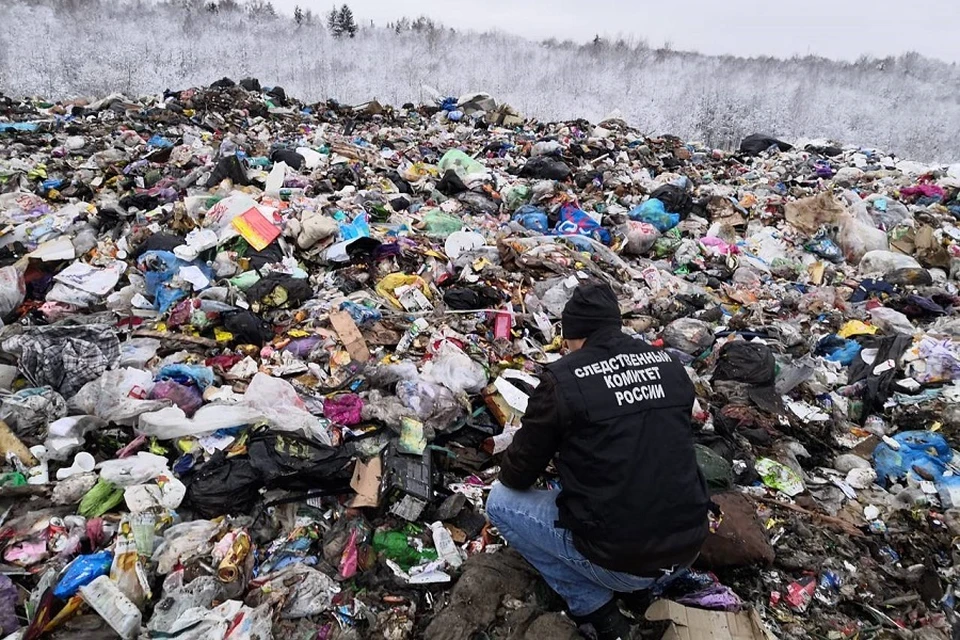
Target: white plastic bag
x=641, y=237
x=886, y=261
x=172, y=422
x=455, y=370
x=280, y=405
x=12, y=290
x=138, y=469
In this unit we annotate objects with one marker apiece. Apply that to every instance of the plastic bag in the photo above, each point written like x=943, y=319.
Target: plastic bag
x=198, y=375
x=464, y=166
x=886, y=212
x=82, y=571
x=822, y=246
x=358, y=228
x=574, y=221
x=438, y=224
x=304, y=590
x=532, y=218
x=345, y=409
x=654, y=212
x=100, y=499
x=185, y=541
x=689, y=335
x=885, y=262
x=455, y=370
x=29, y=411
x=172, y=422
x=189, y=399
x=389, y=284
x=279, y=403
x=116, y=396
x=641, y=236
x=923, y=455
x=137, y=352
x=780, y=477
x=891, y=321
x=126, y=472
x=12, y=290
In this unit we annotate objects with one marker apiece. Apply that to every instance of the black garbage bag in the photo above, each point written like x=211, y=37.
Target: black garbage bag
x=753, y=364
x=451, y=184
x=223, y=485
x=223, y=83
x=279, y=95
x=158, y=242
x=296, y=463
x=268, y=255
x=878, y=384
x=248, y=327
x=757, y=143
x=250, y=84
x=141, y=201
x=279, y=291
x=545, y=168
x=228, y=167
x=402, y=185
x=824, y=150
x=674, y=199
x=289, y=156
x=748, y=362
x=466, y=299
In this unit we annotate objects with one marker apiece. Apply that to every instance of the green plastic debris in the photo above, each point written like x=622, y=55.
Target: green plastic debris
x=396, y=545
x=103, y=497
x=716, y=470
x=517, y=196
x=438, y=224
x=12, y=479
x=779, y=477
x=462, y=164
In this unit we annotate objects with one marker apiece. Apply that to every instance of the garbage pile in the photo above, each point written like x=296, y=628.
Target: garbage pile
x=259, y=359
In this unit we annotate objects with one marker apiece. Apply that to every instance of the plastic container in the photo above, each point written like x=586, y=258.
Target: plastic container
x=104, y=596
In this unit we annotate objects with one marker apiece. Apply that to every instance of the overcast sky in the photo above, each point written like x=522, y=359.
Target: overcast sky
x=842, y=29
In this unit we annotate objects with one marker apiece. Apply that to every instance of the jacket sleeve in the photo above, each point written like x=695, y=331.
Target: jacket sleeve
x=538, y=438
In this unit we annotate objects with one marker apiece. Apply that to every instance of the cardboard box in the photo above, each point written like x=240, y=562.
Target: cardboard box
x=688, y=623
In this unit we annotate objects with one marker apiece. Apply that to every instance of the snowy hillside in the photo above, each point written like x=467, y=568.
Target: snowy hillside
x=61, y=48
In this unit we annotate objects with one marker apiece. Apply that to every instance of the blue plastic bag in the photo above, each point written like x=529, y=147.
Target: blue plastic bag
x=574, y=221
x=159, y=141
x=844, y=353
x=82, y=572
x=195, y=374
x=356, y=229
x=654, y=212
x=923, y=455
x=360, y=313
x=532, y=218
x=822, y=246
x=159, y=268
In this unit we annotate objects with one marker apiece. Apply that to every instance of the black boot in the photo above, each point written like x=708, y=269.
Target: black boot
x=607, y=623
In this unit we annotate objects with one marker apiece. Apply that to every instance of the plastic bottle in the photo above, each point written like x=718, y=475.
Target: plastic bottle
x=445, y=546
x=104, y=596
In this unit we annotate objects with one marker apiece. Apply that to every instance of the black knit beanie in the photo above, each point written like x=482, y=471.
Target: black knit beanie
x=592, y=307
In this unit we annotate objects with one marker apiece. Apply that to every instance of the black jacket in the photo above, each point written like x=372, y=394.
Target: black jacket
x=618, y=413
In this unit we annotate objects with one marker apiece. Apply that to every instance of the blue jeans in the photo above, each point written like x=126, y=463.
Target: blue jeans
x=526, y=520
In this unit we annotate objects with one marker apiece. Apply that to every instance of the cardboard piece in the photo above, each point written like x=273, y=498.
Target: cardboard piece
x=350, y=335
x=698, y=624
x=366, y=482
x=10, y=443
